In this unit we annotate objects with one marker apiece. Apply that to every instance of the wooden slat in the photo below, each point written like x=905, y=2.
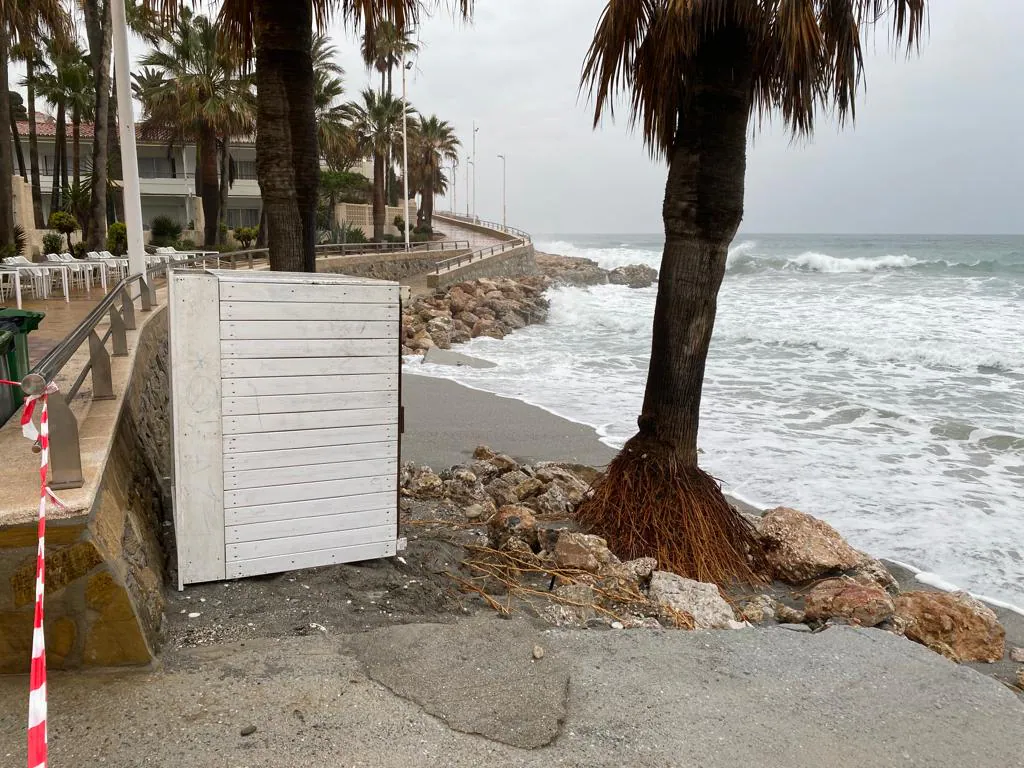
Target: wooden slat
x=268, y=513
x=305, y=312
x=309, y=385
x=308, y=329
x=345, y=521
x=286, y=422
x=269, y=459
x=243, y=568
x=340, y=470
x=237, y=445
x=309, y=348
x=374, y=293
x=279, y=494
x=292, y=545
x=244, y=406
x=311, y=366
x=198, y=446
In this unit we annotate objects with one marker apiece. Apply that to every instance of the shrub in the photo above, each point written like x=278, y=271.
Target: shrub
x=64, y=222
x=185, y=244
x=80, y=250
x=246, y=236
x=349, y=233
x=53, y=242
x=20, y=240
x=424, y=229
x=400, y=223
x=117, y=238
x=165, y=231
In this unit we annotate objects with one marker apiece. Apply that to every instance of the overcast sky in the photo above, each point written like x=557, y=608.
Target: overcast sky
x=938, y=146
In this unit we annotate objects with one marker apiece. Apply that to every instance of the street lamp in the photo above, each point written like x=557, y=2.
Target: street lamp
x=453, y=185
x=405, y=149
x=470, y=163
x=475, y=129
x=504, y=218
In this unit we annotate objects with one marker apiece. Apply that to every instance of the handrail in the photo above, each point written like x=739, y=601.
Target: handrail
x=476, y=220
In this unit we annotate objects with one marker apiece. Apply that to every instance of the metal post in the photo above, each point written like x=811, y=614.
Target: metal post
x=475, y=129
x=129, y=157
x=65, y=450
x=453, y=185
x=469, y=162
x=504, y=217
x=405, y=150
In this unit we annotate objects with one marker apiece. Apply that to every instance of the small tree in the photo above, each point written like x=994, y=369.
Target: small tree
x=65, y=223
x=246, y=236
x=117, y=238
x=165, y=231
x=52, y=242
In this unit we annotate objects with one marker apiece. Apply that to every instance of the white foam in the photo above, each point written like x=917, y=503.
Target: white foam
x=822, y=262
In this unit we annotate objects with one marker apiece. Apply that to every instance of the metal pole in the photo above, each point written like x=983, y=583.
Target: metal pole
x=129, y=157
x=504, y=217
x=468, y=162
x=475, y=129
x=405, y=152
x=455, y=205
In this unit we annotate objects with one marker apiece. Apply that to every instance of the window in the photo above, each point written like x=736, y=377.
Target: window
x=245, y=169
x=156, y=168
x=243, y=217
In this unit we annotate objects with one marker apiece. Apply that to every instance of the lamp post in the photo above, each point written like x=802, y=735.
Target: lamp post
x=452, y=185
x=504, y=218
x=475, y=129
x=470, y=163
x=405, y=150
x=129, y=157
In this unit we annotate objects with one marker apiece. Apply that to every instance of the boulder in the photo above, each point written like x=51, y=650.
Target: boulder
x=785, y=614
x=633, y=275
x=866, y=605
x=488, y=328
x=483, y=453
x=675, y=595
x=758, y=609
x=574, y=606
x=954, y=624
x=799, y=547
x=484, y=470
x=581, y=551
x=464, y=487
x=512, y=522
x=529, y=488
x=424, y=484
x=1017, y=655
x=551, y=503
x=503, y=488
x=870, y=571
x=641, y=568
x=504, y=463
x=574, y=488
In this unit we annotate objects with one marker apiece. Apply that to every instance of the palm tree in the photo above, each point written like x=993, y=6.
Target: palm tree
x=377, y=126
x=18, y=114
x=337, y=144
x=200, y=92
x=27, y=52
x=67, y=87
x=21, y=25
x=384, y=48
x=434, y=141
x=98, y=31
x=693, y=74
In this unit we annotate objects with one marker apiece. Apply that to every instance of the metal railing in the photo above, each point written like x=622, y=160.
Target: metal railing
x=520, y=239
x=477, y=221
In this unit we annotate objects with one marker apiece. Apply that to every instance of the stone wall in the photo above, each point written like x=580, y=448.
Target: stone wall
x=105, y=568
x=513, y=263
x=386, y=266
x=479, y=228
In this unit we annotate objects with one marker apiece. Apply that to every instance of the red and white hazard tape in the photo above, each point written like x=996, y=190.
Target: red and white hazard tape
x=37, y=675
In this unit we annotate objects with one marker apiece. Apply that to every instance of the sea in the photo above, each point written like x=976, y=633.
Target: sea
x=876, y=382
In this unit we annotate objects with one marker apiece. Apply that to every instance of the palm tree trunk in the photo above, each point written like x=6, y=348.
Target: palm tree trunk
x=261, y=233
x=653, y=498
x=60, y=163
x=305, y=144
x=280, y=30
x=225, y=188
x=76, y=146
x=22, y=171
x=97, y=17
x=6, y=159
x=211, y=192
x=378, y=196
x=427, y=204
x=33, y=143
x=115, y=198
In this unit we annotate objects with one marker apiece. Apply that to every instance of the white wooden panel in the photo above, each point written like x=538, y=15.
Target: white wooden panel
x=312, y=366
x=313, y=438
x=241, y=462
x=282, y=292
x=305, y=312
x=292, y=545
x=244, y=406
x=198, y=445
x=309, y=385
x=243, y=568
x=279, y=494
x=310, y=348
x=309, y=329
x=341, y=470
x=345, y=521
x=295, y=278
x=269, y=513
x=282, y=422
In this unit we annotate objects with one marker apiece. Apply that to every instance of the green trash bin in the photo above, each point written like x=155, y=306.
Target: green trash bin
x=20, y=323
x=7, y=405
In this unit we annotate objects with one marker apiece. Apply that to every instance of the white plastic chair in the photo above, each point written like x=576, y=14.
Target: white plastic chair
x=38, y=278
x=80, y=273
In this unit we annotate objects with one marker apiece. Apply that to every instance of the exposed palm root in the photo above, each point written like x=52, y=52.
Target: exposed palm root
x=649, y=504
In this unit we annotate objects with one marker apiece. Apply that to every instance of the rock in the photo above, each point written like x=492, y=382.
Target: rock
x=504, y=463
x=571, y=270
x=475, y=511
x=954, y=624
x=1017, y=655
x=484, y=470
x=674, y=594
x=424, y=484
x=512, y=522
x=870, y=571
x=446, y=357
x=552, y=503
x=758, y=609
x=1020, y=678
x=582, y=551
x=483, y=453
x=785, y=614
x=795, y=627
x=538, y=653
x=574, y=608
x=799, y=547
x=529, y=487
x=514, y=545
x=867, y=605
x=574, y=488
x=642, y=622
x=503, y=489
x=464, y=487
x=249, y=730
x=640, y=569
x=633, y=275
x=487, y=328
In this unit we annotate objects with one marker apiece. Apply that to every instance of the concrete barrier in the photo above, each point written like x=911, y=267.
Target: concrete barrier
x=511, y=263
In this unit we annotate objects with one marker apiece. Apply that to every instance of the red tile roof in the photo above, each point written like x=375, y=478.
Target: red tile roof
x=47, y=126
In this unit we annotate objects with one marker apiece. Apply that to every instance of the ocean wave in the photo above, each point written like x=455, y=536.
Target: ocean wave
x=822, y=262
